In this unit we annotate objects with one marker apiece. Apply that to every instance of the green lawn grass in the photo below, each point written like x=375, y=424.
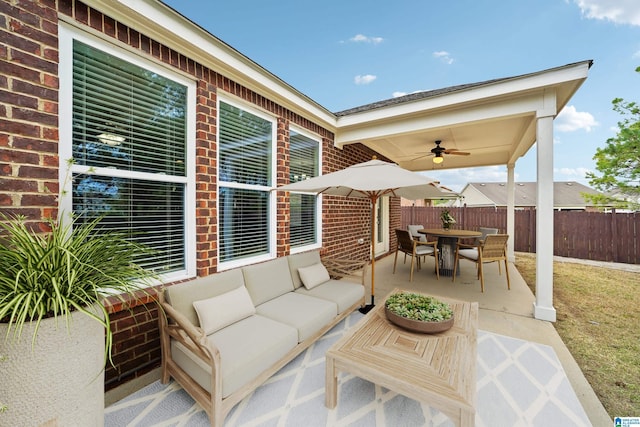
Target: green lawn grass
x=598, y=318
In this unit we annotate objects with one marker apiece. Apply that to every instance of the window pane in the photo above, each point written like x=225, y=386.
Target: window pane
x=245, y=147
x=303, y=219
x=150, y=212
x=244, y=223
x=303, y=155
x=304, y=163
x=125, y=116
x=130, y=119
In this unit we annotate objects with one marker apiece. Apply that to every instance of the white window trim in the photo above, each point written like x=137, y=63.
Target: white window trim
x=273, y=206
x=318, y=139
x=68, y=33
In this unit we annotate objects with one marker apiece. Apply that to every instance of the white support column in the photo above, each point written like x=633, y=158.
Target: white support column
x=543, y=307
x=511, y=221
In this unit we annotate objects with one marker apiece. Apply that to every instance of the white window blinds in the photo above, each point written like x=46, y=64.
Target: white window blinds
x=129, y=128
x=245, y=179
x=304, y=163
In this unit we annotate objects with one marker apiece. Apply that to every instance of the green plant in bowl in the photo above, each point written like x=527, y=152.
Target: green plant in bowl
x=418, y=307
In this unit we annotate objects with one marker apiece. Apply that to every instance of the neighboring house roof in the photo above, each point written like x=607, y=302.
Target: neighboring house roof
x=566, y=194
x=617, y=194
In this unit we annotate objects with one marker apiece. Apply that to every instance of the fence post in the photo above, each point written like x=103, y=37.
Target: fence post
x=614, y=237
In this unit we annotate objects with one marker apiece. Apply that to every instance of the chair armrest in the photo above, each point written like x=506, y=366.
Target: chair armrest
x=344, y=267
x=178, y=327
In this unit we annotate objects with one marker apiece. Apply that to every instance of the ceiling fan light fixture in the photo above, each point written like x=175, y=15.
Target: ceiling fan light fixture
x=438, y=159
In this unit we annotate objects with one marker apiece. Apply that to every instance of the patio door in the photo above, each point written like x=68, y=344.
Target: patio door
x=382, y=226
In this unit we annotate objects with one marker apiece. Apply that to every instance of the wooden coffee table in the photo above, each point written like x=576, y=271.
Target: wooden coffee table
x=438, y=369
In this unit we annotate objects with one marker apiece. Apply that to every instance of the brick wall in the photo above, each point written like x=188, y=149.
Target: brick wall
x=29, y=109
x=29, y=163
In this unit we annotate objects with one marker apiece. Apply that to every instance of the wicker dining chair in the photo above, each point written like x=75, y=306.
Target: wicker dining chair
x=416, y=249
x=493, y=249
x=413, y=229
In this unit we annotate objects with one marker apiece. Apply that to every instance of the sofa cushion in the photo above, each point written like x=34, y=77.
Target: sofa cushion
x=344, y=293
x=267, y=280
x=307, y=314
x=217, y=312
x=247, y=348
x=182, y=295
x=303, y=259
x=313, y=275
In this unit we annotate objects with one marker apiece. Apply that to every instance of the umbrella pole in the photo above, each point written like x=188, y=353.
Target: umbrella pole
x=367, y=308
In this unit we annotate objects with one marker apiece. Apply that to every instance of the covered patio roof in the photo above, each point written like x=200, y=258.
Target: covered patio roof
x=494, y=120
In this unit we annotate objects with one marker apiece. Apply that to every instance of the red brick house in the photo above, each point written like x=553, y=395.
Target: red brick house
x=128, y=109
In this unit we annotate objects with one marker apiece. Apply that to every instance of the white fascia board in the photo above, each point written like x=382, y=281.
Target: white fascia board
x=504, y=88
x=506, y=108
x=158, y=21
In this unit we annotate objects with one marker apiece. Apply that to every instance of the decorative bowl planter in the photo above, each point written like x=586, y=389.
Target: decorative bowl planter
x=419, y=325
x=418, y=313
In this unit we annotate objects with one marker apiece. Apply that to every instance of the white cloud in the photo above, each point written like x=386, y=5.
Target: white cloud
x=636, y=55
x=570, y=120
x=398, y=94
x=571, y=174
x=364, y=80
x=361, y=38
x=619, y=11
x=444, y=56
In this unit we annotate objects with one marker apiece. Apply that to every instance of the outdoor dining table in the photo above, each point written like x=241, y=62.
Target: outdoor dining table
x=447, y=241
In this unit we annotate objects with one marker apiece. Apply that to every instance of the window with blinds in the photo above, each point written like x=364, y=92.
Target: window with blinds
x=245, y=158
x=304, y=163
x=129, y=152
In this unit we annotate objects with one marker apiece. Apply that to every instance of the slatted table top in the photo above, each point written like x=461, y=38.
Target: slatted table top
x=438, y=369
x=452, y=232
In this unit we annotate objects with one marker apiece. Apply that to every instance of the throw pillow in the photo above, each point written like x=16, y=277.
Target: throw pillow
x=222, y=310
x=313, y=275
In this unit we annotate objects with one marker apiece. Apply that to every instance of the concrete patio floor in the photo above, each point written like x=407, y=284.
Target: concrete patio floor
x=502, y=311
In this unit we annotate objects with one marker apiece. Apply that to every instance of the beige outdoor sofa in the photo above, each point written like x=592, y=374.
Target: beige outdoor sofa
x=224, y=335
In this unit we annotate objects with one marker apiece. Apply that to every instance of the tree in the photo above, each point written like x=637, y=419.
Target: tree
x=619, y=161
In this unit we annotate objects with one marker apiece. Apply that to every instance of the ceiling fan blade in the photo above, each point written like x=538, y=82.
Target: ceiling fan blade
x=420, y=157
x=456, y=152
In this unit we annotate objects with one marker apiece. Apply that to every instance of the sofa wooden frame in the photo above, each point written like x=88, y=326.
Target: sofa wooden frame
x=174, y=324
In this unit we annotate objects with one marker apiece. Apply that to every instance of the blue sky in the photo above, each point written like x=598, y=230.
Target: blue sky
x=347, y=53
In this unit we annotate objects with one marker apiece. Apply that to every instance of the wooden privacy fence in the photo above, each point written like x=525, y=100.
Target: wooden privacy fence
x=611, y=237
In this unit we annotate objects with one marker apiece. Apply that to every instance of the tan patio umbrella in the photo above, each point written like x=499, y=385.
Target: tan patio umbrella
x=372, y=180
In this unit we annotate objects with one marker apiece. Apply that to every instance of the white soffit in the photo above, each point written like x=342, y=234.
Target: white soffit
x=494, y=121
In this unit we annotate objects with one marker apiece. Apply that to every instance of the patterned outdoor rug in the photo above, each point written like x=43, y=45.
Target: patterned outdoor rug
x=519, y=384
